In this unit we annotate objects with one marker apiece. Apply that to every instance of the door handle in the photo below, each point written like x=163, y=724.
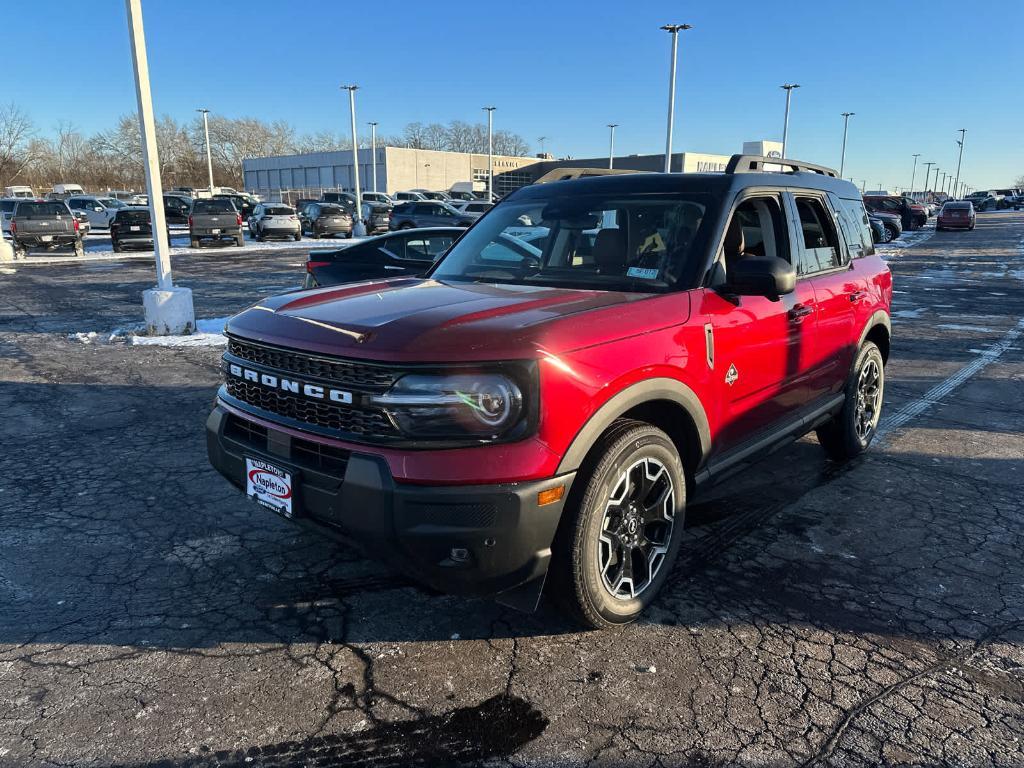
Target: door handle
x=798, y=313
x=857, y=296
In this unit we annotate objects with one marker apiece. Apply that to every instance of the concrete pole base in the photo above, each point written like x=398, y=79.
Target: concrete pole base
x=359, y=229
x=169, y=313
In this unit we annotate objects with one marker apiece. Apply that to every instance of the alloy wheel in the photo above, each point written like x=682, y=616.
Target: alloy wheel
x=636, y=529
x=869, y=393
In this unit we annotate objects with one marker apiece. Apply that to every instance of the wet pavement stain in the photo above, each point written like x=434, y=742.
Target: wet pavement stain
x=498, y=727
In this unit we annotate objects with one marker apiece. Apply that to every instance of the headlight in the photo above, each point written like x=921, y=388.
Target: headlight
x=484, y=405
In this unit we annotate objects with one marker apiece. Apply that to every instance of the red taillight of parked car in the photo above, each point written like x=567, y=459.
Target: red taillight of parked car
x=190, y=221
x=14, y=227
x=75, y=221
x=238, y=219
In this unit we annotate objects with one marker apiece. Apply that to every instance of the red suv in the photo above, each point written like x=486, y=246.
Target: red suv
x=542, y=404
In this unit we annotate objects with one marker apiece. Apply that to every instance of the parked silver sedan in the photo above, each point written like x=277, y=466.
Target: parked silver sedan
x=274, y=220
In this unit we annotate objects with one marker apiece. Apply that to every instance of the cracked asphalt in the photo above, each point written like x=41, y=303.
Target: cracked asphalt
x=861, y=615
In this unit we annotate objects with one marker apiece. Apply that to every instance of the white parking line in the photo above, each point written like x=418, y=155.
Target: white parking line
x=935, y=395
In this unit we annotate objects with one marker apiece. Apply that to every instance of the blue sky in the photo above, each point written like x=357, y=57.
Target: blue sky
x=913, y=72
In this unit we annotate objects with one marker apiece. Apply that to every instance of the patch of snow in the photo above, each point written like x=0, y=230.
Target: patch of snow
x=956, y=327
x=908, y=314
x=85, y=338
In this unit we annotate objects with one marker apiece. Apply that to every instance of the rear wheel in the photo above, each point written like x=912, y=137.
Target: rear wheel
x=851, y=431
x=297, y=237
x=116, y=246
x=240, y=240
x=314, y=233
x=194, y=242
x=621, y=533
x=79, y=248
x=20, y=251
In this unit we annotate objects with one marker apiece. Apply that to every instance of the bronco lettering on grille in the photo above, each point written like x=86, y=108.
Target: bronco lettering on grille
x=291, y=385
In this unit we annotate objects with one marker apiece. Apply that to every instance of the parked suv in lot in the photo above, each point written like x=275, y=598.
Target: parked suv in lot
x=427, y=213
x=529, y=415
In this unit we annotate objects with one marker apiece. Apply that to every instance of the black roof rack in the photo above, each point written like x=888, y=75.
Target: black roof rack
x=566, y=173
x=757, y=163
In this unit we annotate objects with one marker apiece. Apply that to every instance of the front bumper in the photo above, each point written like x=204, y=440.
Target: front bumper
x=484, y=540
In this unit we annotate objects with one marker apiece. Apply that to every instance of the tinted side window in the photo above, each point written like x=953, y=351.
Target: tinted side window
x=427, y=248
x=820, y=242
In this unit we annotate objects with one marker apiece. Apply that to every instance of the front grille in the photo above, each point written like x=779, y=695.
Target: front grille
x=355, y=421
x=455, y=514
x=344, y=372
x=246, y=432
x=305, y=453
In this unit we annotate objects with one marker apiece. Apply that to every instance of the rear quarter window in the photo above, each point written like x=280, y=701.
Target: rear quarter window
x=853, y=220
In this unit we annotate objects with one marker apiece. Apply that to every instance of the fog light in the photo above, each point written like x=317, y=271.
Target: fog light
x=551, y=495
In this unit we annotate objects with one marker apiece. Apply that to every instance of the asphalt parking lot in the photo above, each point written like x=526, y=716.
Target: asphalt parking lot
x=150, y=615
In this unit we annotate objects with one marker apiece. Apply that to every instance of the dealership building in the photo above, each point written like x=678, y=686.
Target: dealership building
x=400, y=168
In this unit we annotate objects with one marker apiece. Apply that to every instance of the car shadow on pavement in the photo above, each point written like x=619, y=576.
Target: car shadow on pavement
x=496, y=728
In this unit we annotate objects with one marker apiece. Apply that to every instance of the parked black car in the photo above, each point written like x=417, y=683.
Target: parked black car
x=176, y=208
x=427, y=213
x=392, y=255
x=132, y=228
x=320, y=219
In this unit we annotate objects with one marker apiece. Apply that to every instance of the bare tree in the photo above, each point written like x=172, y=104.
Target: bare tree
x=1019, y=182
x=16, y=132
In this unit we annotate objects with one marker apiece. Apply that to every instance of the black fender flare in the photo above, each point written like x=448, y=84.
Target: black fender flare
x=879, y=317
x=661, y=388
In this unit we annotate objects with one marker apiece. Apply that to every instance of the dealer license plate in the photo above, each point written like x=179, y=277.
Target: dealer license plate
x=135, y=227
x=269, y=485
x=47, y=238
x=215, y=231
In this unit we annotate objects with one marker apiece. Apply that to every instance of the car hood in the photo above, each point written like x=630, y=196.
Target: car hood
x=414, y=319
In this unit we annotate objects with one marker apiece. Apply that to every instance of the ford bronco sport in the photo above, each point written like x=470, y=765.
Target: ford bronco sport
x=541, y=405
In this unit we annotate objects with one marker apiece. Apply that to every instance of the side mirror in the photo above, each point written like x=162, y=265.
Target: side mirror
x=761, y=276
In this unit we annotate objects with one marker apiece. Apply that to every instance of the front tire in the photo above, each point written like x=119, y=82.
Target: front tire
x=621, y=532
x=890, y=233
x=851, y=431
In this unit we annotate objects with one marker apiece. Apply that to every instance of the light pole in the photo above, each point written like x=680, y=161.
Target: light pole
x=863, y=186
x=846, y=125
x=611, y=144
x=209, y=159
x=541, y=140
x=373, y=152
x=927, y=173
x=913, y=175
x=168, y=309
x=674, y=30
x=490, y=153
x=788, y=88
x=357, y=229
x=963, y=135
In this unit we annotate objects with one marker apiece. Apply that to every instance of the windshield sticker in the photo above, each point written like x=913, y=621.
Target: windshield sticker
x=644, y=274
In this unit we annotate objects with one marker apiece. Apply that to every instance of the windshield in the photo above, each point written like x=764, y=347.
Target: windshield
x=643, y=243
x=41, y=210
x=112, y=202
x=133, y=216
x=213, y=206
